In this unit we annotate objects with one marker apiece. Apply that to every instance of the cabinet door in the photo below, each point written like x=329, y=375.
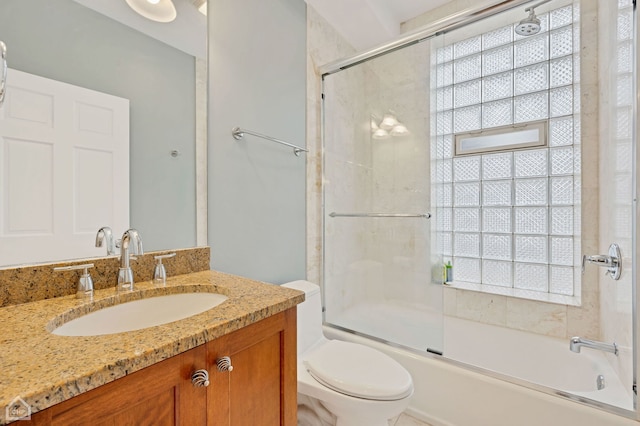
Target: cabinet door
x=161, y=394
x=262, y=387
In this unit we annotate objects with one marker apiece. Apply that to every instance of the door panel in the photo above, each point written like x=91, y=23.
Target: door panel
x=64, y=160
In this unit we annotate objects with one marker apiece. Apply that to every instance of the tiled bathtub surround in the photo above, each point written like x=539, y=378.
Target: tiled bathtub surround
x=506, y=218
x=324, y=45
x=30, y=283
x=565, y=320
x=377, y=259
x=552, y=319
x=616, y=178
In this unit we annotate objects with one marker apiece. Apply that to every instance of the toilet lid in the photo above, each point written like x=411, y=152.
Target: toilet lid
x=359, y=371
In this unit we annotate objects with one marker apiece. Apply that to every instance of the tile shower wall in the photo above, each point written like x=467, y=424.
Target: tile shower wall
x=349, y=268
x=400, y=180
x=365, y=175
x=376, y=259
x=325, y=45
x=507, y=218
x=537, y=316
x=616, y=152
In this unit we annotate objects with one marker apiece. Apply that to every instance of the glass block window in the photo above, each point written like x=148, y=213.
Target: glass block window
x=510, y=217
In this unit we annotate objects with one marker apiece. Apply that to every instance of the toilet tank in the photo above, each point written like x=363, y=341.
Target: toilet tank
x=309, y=314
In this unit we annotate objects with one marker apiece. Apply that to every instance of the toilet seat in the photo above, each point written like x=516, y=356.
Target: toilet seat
x=358, y=371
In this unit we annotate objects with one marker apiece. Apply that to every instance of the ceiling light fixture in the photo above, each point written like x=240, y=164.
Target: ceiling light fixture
x=380, y=134
x=203, y=8
x=399, y=130
x=374, y=124
x=388, y=121
x=388, y=126
x=155, y=10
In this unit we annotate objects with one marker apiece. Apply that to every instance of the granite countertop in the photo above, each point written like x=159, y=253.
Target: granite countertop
x=44, y=369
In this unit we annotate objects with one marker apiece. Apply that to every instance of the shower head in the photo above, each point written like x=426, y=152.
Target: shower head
x=529, y=25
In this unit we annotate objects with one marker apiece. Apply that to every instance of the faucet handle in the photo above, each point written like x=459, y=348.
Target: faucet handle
x=85, y=282
x=159, y=272
x=164, y=256
x=84, y=266
x=612, y=261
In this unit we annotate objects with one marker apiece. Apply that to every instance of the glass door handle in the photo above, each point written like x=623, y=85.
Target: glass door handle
x=612, y=261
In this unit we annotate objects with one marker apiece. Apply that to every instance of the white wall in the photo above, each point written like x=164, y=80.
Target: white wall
x=256, y=188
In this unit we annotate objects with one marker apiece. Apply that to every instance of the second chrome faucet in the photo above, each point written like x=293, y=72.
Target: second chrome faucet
x=131, y=244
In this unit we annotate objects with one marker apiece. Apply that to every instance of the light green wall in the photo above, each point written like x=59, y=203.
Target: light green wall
x=62, y=40
x=256, y=188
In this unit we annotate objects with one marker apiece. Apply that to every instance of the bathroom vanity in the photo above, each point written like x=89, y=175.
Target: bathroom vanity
x=260, y=389
x=148, y=376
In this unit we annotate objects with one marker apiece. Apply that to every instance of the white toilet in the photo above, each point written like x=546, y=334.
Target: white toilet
x=356, y=383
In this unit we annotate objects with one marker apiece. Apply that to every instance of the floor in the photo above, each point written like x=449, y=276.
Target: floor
x=406, y=420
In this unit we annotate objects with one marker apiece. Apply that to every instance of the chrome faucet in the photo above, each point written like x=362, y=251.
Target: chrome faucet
x=103, y=236
x=612, y=261
x=131, y=244
x=577, y=342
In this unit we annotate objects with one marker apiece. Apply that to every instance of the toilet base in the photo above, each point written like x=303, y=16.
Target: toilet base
x=348, y=410
x=313, y=412
x=370, y=413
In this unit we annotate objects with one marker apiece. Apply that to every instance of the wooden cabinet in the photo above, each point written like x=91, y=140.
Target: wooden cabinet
x=260, y=390
x=161, y=394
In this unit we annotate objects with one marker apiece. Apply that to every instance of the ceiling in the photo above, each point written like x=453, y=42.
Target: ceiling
x=367, y=23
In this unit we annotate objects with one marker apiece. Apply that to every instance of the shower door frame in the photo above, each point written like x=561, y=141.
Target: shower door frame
x=458, y=20
x=634, y=218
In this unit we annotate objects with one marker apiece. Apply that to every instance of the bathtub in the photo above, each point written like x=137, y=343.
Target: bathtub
x=458, y=390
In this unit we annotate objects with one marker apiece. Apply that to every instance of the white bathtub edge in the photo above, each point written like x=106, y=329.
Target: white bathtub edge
x=449, y=395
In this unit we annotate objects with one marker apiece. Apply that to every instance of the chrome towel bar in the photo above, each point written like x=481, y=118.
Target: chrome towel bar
x=238, y=134
x=423, y=215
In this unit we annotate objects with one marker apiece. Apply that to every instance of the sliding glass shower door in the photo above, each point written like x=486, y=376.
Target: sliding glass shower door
x=380, y=276
x=508, y=156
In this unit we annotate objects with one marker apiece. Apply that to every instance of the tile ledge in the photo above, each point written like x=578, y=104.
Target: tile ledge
x=516, y=293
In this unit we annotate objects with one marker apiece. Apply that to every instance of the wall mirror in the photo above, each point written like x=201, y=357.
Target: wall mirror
x=159, y=67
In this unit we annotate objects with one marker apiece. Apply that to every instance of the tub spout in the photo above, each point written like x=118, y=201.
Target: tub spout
x=578, y=342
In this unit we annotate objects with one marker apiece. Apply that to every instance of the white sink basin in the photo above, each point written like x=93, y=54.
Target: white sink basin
x=139, y=314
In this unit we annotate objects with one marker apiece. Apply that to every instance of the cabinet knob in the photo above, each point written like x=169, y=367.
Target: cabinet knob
x=200, y=378
x=224, y=364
